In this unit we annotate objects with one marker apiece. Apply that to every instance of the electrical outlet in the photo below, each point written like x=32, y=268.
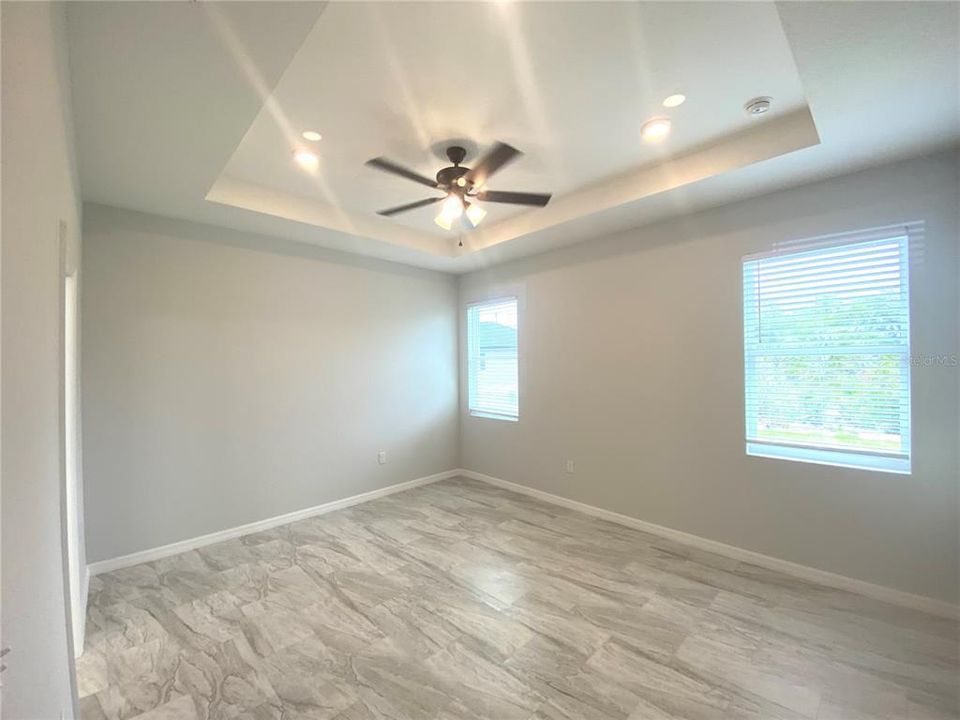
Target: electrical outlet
x=570, y=466
x=382, y=457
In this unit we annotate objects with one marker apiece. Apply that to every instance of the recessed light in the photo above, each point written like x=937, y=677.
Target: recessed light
x=307, y=160
x=674, y=100
x=655, y=129
x=759, y=105
x=311, y=135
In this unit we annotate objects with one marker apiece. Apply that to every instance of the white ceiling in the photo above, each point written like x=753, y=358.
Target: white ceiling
x=568, y=83
x=193, y=110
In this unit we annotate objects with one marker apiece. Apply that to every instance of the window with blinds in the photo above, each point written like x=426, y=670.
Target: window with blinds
x=492, y=363
x=827, y=354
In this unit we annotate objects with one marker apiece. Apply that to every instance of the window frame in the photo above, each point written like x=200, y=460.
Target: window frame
x=468, y=307
x=861, y=459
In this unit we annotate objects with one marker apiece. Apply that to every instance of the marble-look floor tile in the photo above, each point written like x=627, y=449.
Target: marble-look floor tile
x=183, y=708
x=460, y=600
x=481, y=685
x=730, y=654
x=90, y=708
x=92, y=673
x=549, y=621
x=410, y=624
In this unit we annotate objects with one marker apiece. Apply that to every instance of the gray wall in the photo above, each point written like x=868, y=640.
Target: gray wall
x=229, y=379
x=632, y=349
x=39, y=191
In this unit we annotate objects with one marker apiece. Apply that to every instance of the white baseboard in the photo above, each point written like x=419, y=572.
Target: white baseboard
x=176, y=548
x=804, y=572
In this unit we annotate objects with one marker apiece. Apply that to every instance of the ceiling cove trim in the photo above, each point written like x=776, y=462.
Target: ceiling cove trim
x=771, y=138
x=250, y=196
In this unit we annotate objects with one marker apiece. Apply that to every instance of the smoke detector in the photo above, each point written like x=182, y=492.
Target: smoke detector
x=759, y=105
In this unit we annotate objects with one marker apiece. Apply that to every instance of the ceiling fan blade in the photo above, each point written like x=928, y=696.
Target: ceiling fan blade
x=391, y=167
x=498, y=156
x=514, y=198
x=409, y=206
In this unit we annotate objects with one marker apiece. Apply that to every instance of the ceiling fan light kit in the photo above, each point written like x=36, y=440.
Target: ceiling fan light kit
x=451, y=209
x=462, y=186
x=475, y=214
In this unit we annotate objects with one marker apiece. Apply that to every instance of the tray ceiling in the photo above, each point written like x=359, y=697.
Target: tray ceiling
x=193, y=110
x=570, y=84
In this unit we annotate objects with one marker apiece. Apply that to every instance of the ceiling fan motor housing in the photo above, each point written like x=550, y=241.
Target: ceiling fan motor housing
x=462, y=182
x=447, y=177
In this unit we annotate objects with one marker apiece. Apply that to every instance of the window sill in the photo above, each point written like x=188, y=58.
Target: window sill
x=836, y=458
x=493, y=416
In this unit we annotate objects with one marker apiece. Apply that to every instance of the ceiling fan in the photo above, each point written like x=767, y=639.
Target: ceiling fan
x=462, y=186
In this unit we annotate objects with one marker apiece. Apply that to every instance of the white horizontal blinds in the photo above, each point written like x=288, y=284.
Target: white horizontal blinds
x=827, y=343
x=492, y=368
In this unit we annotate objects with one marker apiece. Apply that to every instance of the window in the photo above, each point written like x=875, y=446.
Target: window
x=492, y=368
x=827, y=354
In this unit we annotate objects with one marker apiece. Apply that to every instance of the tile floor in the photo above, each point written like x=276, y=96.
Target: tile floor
x=461, y=600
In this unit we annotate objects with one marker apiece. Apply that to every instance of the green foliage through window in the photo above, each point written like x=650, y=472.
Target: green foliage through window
x=826, y=340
